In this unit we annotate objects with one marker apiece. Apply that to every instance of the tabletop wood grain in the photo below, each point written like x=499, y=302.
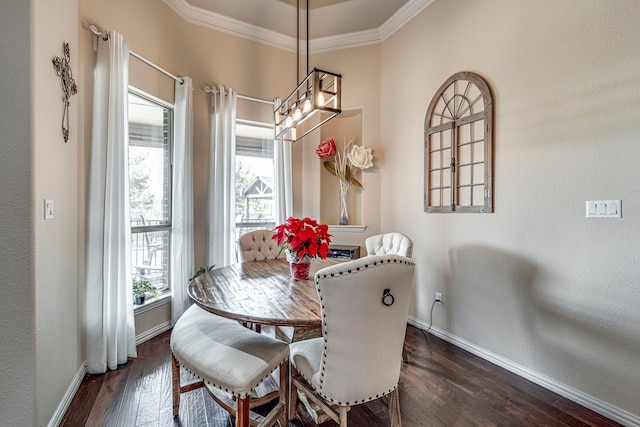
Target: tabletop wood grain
x=261, y=292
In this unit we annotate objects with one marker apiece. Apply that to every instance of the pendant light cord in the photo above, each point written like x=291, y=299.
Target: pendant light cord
x=297, y=42
x=307, y=37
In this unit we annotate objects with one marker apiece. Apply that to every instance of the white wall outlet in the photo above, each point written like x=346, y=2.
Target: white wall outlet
x=438, y=297
x=48, y=209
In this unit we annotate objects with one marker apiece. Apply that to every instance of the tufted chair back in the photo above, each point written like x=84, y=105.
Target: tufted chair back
x=363, y=331
x=258, y=245
x=389, y=243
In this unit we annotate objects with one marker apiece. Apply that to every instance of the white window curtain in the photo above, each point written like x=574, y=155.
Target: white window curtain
x=283, y=184
x=110, y=332
x=221, y=194
x=182, y=238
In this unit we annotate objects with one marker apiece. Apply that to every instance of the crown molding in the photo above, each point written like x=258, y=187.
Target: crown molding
x=214, y=21
x=344, y=41
x=405, y=14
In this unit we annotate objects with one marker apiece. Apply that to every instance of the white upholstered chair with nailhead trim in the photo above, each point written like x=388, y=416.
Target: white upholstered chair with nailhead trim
x=224, y=355
x=258, y=245
x=389, y=243
x=365, y=304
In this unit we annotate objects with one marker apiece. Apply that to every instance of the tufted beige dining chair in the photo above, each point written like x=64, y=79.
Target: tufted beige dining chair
x=390, y=243
x=258, y=245
x=364, y=305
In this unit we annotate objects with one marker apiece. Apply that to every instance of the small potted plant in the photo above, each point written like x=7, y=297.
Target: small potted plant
x=142, y=288
x=201, y=271
x=303, y=240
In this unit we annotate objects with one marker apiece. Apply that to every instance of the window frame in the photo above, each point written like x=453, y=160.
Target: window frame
x=460, y=84
x=243, y=227
x=168, y=226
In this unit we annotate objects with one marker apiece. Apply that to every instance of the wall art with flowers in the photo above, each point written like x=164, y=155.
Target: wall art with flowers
x=346, y=163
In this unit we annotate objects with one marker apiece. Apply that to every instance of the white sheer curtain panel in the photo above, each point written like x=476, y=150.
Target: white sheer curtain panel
x=283, y=185
x=221, y=233
x=110, y=332
x=182, y=239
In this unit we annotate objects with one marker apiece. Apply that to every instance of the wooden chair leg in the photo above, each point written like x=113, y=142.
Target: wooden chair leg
x=293, y=393
x=343, y=410
x=394, y=409
x=284, y=393
x=242, y=414
x=175, y=385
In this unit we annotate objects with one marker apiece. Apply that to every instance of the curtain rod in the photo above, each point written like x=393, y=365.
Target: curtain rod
x=105, y=36
x=248, y=98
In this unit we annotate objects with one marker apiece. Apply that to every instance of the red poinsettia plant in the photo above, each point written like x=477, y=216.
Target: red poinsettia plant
x=303, y=237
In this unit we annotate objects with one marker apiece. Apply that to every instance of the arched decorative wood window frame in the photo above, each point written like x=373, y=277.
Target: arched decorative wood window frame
x=458, y=147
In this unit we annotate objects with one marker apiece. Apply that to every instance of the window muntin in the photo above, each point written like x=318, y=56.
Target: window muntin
x=150, y=130
x=458, y=147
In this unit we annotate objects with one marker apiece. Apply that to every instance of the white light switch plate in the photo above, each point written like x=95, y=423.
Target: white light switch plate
x=604, y=208
x=48, y=209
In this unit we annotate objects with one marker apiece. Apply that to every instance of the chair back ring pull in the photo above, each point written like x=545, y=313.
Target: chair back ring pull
x=387, y=298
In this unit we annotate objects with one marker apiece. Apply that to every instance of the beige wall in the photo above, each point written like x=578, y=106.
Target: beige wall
x=535, y=282
x=56, y=177
x=39, y=258
x=17, y=257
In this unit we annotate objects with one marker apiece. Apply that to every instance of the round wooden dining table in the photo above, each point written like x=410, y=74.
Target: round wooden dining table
x=261, y=292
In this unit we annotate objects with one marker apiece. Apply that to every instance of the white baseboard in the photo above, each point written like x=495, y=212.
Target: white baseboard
x=56, y=419
x=147, y=335
x=616, y=414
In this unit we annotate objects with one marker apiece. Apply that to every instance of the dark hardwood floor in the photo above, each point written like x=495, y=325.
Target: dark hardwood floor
x=441, y=385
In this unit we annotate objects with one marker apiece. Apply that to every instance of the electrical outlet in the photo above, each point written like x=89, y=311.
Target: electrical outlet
x=439, y=297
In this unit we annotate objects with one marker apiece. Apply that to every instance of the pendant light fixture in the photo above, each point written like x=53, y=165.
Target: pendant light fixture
x=315, y=101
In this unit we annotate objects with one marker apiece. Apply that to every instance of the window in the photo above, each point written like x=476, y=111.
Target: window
x=254, y=177
x=150, y=130
x=458, y=147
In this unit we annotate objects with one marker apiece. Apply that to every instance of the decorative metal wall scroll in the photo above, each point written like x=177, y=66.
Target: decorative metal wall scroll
x=67, y=84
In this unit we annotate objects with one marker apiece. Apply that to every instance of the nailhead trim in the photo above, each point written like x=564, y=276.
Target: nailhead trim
x=350, y=271
x=233, y=393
